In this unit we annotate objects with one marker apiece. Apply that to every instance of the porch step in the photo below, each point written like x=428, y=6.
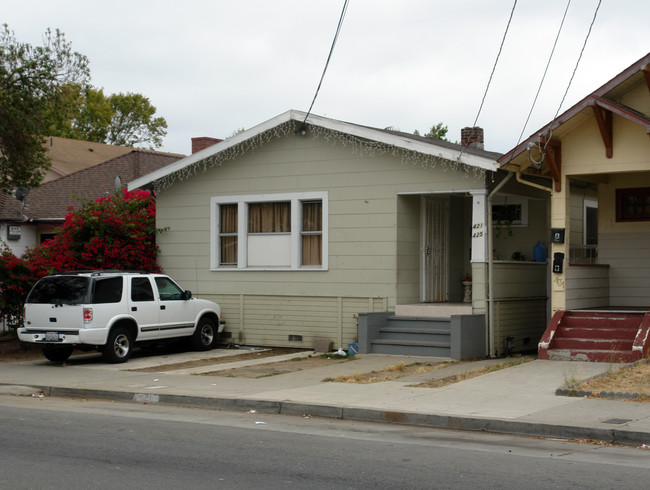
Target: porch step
x=592, y=355
x=415, y=336
x=599, y=333
x=418, y=322
x=596, y=336
x=411, y=347
x=593, y=344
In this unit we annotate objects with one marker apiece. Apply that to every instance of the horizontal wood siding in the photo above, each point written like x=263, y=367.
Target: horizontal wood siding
x=628, y=257
x=587, y=287
x=373, y=243
x=519, y=279
x=271, y=319
x=519, y=304
x=523, y=319
x=408, y=250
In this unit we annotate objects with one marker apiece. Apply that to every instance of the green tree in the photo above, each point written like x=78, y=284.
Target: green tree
x=117, y=119
x=31, y=84
x=133, y=121
x=45, y=91
x=437, y=132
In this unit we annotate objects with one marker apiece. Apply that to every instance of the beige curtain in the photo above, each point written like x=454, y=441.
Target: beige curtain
x=228, y=234
x=269, y=217
x=312, y=233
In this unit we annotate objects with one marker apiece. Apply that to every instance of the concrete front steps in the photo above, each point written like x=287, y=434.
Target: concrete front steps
x=597, y=336
x=455, y=333
x=414, y=336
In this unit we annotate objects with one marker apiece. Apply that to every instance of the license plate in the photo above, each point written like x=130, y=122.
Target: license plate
x=52, y=337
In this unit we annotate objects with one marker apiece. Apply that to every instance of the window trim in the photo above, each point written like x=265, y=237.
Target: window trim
x=512, y=200
x=242, y=202
x=621, y=194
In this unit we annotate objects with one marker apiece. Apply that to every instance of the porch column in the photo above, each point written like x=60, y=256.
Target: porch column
x=560, y=219
x=479, y=226
x=480, y=248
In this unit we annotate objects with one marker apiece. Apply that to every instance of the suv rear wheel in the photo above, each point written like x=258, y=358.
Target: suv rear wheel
x=119, y=345
x=57, y=353
x=204, y=335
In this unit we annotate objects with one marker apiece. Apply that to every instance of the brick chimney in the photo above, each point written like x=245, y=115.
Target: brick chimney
x=203, y=142
x=472, y=137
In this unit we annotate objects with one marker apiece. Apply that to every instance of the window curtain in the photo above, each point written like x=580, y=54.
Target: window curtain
x=312, y=233
x=228, y=234
x=269, y=217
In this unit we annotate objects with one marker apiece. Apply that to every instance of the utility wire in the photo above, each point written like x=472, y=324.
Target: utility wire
x=491, y=74
x=336, y=36
x=545, y=71
x=579, y=58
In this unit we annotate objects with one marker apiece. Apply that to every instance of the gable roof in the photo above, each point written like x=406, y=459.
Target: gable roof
x=69, y=156
x=51, y=201
x=605, y=97
x=404, y=145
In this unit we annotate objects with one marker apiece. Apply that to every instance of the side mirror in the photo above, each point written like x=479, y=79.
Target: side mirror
x=187, y=294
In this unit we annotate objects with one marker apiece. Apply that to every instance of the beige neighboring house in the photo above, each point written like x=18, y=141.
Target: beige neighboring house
x=306, y=229
x=595, y=158
x=69, y=156
x=28, y=222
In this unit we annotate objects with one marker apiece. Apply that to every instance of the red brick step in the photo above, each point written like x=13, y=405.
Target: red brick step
x=612, y=336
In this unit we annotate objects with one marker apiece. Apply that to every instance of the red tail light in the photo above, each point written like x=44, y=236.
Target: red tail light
x=88, y=315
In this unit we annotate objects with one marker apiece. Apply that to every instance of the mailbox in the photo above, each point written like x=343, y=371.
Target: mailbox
x=557, y=235
x=558, y=259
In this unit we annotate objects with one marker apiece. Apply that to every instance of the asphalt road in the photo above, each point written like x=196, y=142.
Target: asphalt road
x=63, y=443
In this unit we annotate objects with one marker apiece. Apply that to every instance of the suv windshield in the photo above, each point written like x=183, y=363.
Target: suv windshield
x=69, y=290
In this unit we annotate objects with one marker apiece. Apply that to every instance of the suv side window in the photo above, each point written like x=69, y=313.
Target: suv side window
x=168, y=290
x=108, y=290
x=141, y=289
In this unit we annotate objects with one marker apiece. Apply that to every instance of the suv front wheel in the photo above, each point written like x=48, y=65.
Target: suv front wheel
x=119, y=346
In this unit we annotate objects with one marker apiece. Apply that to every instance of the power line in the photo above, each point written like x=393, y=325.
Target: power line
x=545, y=71
x=336, y=36
x=491, y=74
x=579, y=58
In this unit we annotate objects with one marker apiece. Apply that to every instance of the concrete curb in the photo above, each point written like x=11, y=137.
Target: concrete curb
x=534, y=429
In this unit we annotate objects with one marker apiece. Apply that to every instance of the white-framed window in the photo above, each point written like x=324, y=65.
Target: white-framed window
x=509, y=210
x=269, y=231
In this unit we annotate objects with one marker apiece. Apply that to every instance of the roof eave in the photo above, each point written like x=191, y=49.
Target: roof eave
x=594, y=97
x=426, y=148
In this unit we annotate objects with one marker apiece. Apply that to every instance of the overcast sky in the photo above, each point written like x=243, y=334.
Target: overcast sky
x=213, y=67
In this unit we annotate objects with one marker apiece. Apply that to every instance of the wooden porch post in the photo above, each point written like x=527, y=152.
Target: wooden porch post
x=560, y=219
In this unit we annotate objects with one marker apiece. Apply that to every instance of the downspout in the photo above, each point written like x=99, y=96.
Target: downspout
x=491, y=266
x=532, y=184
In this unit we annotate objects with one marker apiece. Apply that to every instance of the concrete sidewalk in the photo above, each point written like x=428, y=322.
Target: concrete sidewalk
x=516, y=400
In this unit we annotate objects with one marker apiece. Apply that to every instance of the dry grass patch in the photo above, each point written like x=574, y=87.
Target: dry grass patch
x=438, y=383
x=630, y=379
x=390, y=373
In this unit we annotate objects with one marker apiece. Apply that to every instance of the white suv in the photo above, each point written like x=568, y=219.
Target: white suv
x=111, y=310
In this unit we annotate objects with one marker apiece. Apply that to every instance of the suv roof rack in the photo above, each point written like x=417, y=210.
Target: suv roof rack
x=96, y=272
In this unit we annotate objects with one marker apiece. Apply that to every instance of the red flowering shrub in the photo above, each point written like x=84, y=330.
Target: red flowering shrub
x=16, y=279
x=114, y=232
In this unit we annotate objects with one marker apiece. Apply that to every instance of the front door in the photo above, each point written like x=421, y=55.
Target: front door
x=435, y=250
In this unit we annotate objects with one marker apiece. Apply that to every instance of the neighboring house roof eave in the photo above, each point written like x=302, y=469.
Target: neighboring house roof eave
x=398, y=140
x=586, y=103
x=594, y=98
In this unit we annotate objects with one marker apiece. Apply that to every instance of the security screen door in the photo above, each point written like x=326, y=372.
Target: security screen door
x=436, y=257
